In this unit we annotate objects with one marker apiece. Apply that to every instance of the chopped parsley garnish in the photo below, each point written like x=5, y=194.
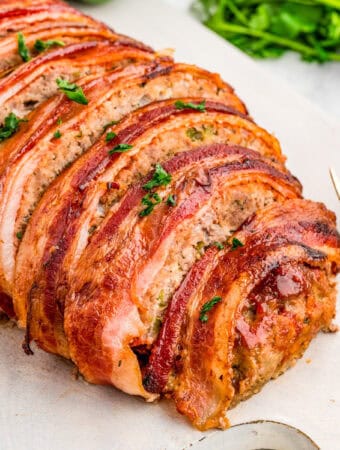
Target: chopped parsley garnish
x=171, y=200
x=57, y=134
x=113, y=122
x=10, y=126
x=194, y=134
x=59, y=121
x=92, y=229
x=72, y=91
x=111, y=135
x=200, y=247
x=160, y=178
x=41, y=46
x=22, y=48
x=207, y=307
x=120, y=148
x=218, y=245
x=197, y=107
x=157, y=325
x=235, y=243
x=147, y=200
x=19, y=235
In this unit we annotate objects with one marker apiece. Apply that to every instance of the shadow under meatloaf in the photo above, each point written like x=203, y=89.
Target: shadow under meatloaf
x=273, y=294
x=35, y=81
x=17, y=18
x=78, y=201
x=35, y=147
x=138, y=257
x=62, y=33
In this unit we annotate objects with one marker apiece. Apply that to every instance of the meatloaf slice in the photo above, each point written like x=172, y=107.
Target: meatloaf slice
x=136, y=260
x=17, y=18
x=244, y=314
x=61, y=34
x=79, y=127
x=32, y=83
x=59, y=229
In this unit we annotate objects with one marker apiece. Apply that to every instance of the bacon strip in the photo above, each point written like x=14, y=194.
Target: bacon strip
x=125, y=248
x=269, y=271
x=84, y=188
x=67, y=33
x=17, y=18
x=201, y=285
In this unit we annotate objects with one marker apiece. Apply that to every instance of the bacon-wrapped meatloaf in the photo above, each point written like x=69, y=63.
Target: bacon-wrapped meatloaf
x=149, y=229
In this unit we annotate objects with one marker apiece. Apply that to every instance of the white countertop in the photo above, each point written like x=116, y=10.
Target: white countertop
x=320, y=83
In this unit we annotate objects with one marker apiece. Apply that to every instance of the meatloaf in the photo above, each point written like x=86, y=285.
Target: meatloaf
x=149, y=228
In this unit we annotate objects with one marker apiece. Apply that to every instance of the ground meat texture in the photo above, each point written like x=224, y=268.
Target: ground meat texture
x=68, y=34
x=39, y=15
x=78, y=132
x=127, y=254
x=30, y=87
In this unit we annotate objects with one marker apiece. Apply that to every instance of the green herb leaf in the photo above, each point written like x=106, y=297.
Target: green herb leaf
x=121, y=148
x=59, y=121
x=235, y=243
x=147, y=200
x=218, y=245
x=22, y=48
x=10, y=126
x=194, y=134
x=171, y=201
x=57, y=134
x=111, y=135
x=110, y=124
x=197, y=107
x=72, y=91
x=159, y=178
x=207, y=307
x=200, y=247
x=19, y=235
x=41, y=46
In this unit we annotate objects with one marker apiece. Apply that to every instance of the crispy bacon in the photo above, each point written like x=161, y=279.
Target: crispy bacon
x=18, y=17
x=154, y=235
x=278, y=284
x=72, y=61
x=133, y=79
x=84, y=185
x=130, y=252
x=18, y=157
x=66, y=34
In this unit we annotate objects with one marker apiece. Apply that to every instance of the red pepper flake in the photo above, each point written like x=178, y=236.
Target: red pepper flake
x=112, y=185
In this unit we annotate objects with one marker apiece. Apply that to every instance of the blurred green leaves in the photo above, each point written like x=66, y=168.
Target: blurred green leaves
x=266, y=29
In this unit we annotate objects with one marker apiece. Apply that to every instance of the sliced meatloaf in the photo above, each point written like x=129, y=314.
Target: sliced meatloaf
x=149, y=229
x=244, y=314
x=48, y=38
x=37, y=154
x=17, y=17
x=59, y=229
x=137, y=259
x=32, y=83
